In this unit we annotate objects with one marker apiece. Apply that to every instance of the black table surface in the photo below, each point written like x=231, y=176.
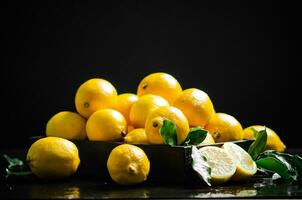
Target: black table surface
x=256, y=187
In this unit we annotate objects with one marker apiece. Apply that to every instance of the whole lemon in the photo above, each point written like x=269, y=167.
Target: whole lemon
x=142, y=107
x=68, y=125
x=161, y=84
x=124, y=104
x=136, y=136
x=53, y=157
x=155, y=122
x=93, y=95
x=128, y=165
x=196, y=105
x=106, y=125
x=224, y=127
x=273, y=140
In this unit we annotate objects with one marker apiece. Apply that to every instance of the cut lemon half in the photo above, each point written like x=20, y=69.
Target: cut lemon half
x=221, y=164
x=246, y=167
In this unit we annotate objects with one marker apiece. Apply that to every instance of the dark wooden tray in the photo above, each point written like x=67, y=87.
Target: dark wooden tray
x=168, y=164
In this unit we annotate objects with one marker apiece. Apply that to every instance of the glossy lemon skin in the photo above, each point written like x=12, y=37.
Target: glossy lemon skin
x=196, y=105
x=128, y=165
x=53, y=158
x=273, y=140
x=106, y=125
x=160, y=84
x=155, y=122
x=124, y=104
x=93, y=95
x=136, y=136
x=68, y=125
x=143, y=107
x=224, y=127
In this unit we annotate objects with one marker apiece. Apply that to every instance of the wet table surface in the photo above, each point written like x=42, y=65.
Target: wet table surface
x=256, y=187
x=261, y=188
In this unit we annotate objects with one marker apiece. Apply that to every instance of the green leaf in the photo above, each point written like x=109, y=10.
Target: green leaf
x=168, y=132
x=21, y=173
x=15, y=167
x=201, y=166
x=294, y=160
x=265, y=171
x=277, y=166
x=195, y=136
x=258, y=146
x=293, y=164
x=13, y=161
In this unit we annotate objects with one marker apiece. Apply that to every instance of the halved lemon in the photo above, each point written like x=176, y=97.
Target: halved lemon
x=246, y=167
x=221, y=164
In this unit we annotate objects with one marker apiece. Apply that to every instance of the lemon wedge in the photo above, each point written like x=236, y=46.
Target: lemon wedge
x=221, y=164
x=246, y=167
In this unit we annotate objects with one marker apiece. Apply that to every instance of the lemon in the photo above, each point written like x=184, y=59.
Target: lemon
x=53, y=157
x=68, y=125
x=93, y=95
x=128, y=165
x=224, y=127
x=155, y=122
x=161, y=84
x=221, y=164
x=124, y=104
x=142, y=107
x=196, y=105
x=273, y=140
x=136, y=136
x=246, y=167
x=106, y=125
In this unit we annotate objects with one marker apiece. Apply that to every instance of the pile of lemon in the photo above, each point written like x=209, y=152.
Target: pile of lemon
x=104, y=115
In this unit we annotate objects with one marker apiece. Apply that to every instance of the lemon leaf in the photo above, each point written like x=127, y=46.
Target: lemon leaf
x=15, y=167
x=288, y=166
x=168, y=132
x=201, y=166
x=277, y=166
x=21, y=173
x=195, y=136
x=258, y=146
x=255, y=132
x=12, y=162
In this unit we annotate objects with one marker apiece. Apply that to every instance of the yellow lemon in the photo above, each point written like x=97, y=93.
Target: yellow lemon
x=196, y=105
x=161, y=84
x=221, y=164
x=68, y=125
x=224, y=127
x=53, y=157
x=128, y=165
x=124, y=104
x=93, y=95
x=106, y=125
x=246, y=167
x=142, y=107
x=273, y=140
x=136, y=136
x=155, y=122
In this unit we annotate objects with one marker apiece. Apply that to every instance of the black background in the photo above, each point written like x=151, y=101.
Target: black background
x=243, y=55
